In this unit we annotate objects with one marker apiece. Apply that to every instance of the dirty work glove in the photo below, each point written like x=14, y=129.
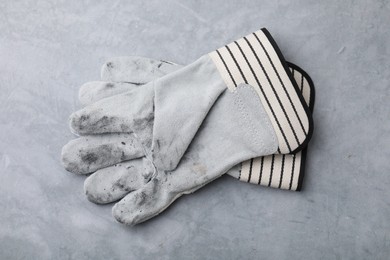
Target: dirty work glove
x=128, y=73
x=265, y=114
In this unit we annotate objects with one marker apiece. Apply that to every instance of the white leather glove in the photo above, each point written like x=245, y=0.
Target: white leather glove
x=246, y=61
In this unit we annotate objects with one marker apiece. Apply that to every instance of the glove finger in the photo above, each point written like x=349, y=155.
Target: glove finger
x=122, y=113
x=90, y=153
x=154, y=197
x=136, y=70
x=113, y=183
x=142, y=204
x=96, y=90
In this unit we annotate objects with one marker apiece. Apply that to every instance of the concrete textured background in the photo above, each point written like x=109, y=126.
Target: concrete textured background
x=49, y=48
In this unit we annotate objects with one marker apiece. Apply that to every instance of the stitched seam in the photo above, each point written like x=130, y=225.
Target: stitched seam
x=252, y=131
x=243, y=111
x=268, y=122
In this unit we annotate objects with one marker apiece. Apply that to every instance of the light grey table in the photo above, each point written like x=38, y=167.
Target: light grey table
x=49, y=48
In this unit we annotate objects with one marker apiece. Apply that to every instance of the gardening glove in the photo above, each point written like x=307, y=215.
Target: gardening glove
x=122, y=74
x=225, y=138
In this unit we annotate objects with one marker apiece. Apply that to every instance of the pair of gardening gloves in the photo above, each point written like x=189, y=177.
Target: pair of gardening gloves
x=151, y=131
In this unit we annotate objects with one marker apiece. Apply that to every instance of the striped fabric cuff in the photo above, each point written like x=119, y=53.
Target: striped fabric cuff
x=256, y=60
x=282, y=171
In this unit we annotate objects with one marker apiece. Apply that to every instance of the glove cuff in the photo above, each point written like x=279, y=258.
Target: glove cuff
x=281, y=171
x=256, y=60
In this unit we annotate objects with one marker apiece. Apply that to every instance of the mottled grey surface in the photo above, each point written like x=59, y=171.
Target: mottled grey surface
x=48, y=49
